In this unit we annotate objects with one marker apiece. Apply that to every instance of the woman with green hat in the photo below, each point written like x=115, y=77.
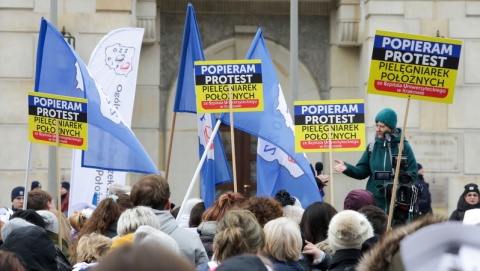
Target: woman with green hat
x=378, y=157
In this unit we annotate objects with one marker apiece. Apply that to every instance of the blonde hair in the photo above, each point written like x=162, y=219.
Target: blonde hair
x=131, y=219
x=283, y=240
x=92, y=247
x=238, y=232
x=77, y=220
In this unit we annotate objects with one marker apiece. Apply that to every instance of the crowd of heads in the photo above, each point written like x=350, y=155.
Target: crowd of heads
x=135, y=229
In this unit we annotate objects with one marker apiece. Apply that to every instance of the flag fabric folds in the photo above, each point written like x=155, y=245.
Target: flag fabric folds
x=114, y=65
x=215, y=169
x=278, y=166
x=112, y=144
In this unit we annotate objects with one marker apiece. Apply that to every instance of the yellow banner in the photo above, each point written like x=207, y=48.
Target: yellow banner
x=419, y=67
x=318, y=122
x=215, y=80
x=45, y=110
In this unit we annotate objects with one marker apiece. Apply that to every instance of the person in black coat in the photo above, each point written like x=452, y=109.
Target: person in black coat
x=468, y=200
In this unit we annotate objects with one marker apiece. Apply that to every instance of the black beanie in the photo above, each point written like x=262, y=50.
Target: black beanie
x=471, y=187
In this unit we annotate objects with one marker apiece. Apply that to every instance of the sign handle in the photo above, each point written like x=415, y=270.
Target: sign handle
x=330, y=154
x=232, y=138
x=397, y=167
x=59, y=196
x=169, y=155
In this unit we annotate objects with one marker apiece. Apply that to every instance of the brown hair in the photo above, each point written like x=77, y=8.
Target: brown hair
x=152, y=191
x=238, y=232
x=38, y=200
x=196, y=214
x=10, y=261
x=222, y=205
x=264, y=208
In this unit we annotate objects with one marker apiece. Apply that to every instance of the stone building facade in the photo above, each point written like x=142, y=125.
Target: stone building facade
x=335, y=39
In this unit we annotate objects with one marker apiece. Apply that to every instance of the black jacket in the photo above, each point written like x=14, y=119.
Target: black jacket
x=345, y=260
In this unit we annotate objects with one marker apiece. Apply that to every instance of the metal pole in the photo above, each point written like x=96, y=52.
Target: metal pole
x=293, y=50
x=52, y=150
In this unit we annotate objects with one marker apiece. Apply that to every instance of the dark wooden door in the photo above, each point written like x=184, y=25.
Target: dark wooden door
x=246, y=162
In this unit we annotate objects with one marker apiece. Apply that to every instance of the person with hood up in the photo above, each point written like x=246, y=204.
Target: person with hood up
x=378, y=156
x=468, y=200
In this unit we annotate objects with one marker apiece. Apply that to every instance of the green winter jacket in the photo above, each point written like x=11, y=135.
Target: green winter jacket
x=380, y=160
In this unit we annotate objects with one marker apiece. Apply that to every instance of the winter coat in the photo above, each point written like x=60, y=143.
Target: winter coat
x=462, y=207
x=424, y=198
x=188, y=242
x=379, y=159
x=33, y=246
x=285, y=266
x=345, y=260
x=207, y=232
x=385, y=254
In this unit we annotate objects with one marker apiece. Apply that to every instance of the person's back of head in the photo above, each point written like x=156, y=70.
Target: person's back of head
x=145, y=234
x=196, y=215
x=377, y=217
x=238, y=232
x=10, y=261
x=39, y=200
x=77, y=220
x=151, y=190
x=106, y=213
x=132, y=219
x=283, y=240
x=348, y=230
x=92, y=247
x=222, y=205
x=315, y=221
x=264, y=208
x=358, y=198
x=143, y=257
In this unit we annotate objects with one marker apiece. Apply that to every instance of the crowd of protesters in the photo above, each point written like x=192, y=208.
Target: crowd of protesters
x=136, y=229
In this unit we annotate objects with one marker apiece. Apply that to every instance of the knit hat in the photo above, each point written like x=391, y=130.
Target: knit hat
x=35, y=184
x=30, y=216
x=242, y=262
x=51, y=220
x=65, y=185
x=122, y=241
x=471, y=187
x=147, y=234
x=419, y=166
x=387, y=116
x=358, y=198
x=348, y=230
x=18, y=191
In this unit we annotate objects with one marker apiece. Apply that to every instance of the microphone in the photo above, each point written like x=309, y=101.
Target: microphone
x=319, y=167
x=387, y=136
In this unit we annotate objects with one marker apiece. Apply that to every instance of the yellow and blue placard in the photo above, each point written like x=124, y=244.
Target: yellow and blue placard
x=415, y=66
x=215, y=79
x=44, y=110
x=317, y=121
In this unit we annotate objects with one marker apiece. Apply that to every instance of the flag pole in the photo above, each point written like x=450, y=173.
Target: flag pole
x=397, y=167
x=27, y=174
x=330, y=153
x=167, y=166
x=197, y=171
x=232, y=138
x=59, y=196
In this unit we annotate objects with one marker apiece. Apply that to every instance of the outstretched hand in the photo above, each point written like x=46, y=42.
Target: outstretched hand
x=341, y=167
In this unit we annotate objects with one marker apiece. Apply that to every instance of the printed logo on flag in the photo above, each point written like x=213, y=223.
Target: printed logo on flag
x=119, y=58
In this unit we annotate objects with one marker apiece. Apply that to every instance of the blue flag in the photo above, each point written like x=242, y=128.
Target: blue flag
x=215, y=169
x=111, y=144
x=278, y=166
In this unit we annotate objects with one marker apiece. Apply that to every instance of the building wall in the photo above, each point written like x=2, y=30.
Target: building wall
x=334, y=55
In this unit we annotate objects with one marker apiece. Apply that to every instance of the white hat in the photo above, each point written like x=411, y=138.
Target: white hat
x=348, y=229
